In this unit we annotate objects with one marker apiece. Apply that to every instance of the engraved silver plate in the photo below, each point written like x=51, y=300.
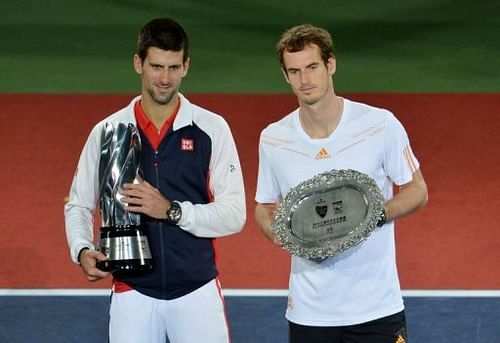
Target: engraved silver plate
x=328, y=214
x=126, y=248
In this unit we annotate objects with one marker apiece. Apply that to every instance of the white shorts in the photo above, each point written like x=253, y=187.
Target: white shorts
x=196, y=317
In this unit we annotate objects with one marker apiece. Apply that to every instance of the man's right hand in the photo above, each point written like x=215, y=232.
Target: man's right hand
x=88, y=260
x=264, y=216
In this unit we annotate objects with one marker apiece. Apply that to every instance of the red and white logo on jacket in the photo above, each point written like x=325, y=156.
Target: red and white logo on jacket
x=187, y=144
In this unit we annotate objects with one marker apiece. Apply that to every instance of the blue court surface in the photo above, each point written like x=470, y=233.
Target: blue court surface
x=253, y=319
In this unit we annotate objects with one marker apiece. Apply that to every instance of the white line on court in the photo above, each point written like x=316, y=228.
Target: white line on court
x=243, y=292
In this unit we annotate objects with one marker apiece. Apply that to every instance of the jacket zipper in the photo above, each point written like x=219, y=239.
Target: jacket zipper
x=156, y=164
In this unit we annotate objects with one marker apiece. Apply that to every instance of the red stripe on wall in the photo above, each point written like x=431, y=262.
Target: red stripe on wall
x=450, y=244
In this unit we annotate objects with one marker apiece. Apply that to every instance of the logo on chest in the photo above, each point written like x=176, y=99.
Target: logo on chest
x=187, y=144
x=322, y=154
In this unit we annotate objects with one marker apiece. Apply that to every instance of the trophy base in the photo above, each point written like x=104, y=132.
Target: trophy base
x=125, y=266
x=126, y=248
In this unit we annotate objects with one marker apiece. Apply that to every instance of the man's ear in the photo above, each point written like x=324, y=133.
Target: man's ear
x=332, y=65
x=137, y=64
x=285, y=75
x=186, y=66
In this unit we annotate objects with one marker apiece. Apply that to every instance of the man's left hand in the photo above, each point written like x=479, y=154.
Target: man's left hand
x=144, y=198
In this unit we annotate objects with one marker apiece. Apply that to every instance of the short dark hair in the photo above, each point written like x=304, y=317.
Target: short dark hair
x=165, y=34
x=298, y=37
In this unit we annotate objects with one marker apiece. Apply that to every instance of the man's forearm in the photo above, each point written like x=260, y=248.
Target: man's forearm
x=409, y=198
x=264, y=214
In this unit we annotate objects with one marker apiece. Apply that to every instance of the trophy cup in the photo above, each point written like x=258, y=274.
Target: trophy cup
x=122, y=239
x=328, y=214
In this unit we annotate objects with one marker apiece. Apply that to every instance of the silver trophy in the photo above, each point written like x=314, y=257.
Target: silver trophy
x=122, y=239
x=328, y=214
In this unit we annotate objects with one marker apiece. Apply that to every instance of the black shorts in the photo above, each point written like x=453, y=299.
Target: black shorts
x=390, y=329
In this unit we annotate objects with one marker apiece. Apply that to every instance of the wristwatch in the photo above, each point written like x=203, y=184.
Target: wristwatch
x=383, y=218
x=174, y=213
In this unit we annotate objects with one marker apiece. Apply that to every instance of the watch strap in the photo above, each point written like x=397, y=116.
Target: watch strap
x=383, y=218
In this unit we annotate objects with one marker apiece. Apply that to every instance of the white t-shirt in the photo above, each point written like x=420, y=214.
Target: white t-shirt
x=362, y=283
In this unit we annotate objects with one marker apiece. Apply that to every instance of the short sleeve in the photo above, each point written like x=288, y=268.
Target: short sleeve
x=267, y=183
x=399, y=161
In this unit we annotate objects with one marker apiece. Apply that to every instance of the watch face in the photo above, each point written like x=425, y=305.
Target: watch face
x=174, y=213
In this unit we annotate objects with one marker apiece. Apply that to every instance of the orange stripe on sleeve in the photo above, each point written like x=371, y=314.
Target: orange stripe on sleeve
x=409, y=159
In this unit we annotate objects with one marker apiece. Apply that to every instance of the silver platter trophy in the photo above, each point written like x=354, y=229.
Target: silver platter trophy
x=122, y=238
x=328, y=214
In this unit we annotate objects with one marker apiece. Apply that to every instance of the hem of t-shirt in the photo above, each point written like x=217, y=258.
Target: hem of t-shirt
x=403, y=180
x=264, y=200
x=120, y=286
x=344, y=321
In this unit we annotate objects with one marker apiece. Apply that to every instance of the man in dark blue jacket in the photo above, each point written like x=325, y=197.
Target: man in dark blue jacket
x=193, y=193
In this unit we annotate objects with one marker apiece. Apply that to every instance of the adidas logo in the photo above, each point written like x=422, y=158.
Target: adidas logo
x=322, y=154
x=400, y=339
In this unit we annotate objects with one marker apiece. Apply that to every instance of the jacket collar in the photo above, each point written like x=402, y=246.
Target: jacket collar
x=184, y=117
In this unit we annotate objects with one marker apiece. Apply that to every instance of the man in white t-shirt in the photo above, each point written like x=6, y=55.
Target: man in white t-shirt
x=354, y=296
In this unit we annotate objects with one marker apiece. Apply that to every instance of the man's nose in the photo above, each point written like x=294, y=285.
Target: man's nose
x=165, y=75
x=304, y=77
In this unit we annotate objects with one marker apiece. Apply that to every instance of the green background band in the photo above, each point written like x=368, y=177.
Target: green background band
x=72, y=46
